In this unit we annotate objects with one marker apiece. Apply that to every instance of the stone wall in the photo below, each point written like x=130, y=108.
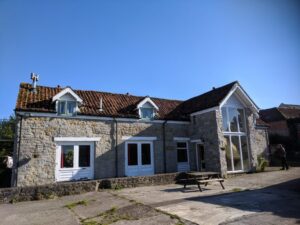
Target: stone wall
x=17, y=194
x=206, y=127
x=38, y=149
x=257, y=138
x=261, y=143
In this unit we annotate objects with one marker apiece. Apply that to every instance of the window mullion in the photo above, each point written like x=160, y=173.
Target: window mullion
x=241, y=153
x=66, y=103
x=231, y=152
x=228, y=120
x=76, y=156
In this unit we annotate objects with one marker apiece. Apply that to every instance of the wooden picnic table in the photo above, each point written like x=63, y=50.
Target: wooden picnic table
x=203, y=178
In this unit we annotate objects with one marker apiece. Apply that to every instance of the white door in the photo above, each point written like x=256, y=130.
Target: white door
x=74, y=161
x=139, y=159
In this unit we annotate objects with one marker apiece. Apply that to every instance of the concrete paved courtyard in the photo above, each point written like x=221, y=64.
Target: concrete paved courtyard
x=262, y=198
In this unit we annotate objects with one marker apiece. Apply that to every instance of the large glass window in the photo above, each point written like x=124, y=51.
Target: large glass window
x=84, y=155
x=245, y=152
x=228, y=153
x=236, y=152
x=67, y=156
x=132, y=154
x=182, y=152
x=236, y=148
x=233, y=120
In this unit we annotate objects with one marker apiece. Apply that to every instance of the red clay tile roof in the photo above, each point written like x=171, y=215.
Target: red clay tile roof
x=119, y=105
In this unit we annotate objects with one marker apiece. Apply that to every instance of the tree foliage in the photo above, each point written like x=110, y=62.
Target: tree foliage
x=7, y=128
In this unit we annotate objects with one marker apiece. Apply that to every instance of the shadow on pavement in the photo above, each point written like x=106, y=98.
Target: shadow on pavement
x=281, y=199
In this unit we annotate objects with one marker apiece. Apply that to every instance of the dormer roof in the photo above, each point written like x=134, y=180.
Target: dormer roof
x=65, y=91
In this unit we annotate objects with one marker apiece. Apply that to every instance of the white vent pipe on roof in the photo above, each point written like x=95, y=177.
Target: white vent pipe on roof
x=101, y=105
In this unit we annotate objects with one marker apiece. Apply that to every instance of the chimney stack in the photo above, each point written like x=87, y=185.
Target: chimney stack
x=34, y=77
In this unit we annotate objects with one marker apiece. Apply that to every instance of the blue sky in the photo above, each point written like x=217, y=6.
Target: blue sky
x=171, y=49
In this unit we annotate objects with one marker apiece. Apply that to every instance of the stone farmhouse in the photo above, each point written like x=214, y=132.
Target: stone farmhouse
x=65, y=134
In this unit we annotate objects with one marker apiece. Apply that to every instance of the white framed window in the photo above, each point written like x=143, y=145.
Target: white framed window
x=66, y=108
x=147, y=113
x=182, y=152
x=74, y=160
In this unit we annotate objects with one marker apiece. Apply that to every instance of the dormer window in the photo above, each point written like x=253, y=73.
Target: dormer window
x=67, y=102
x=67, y=108
x=147, y=109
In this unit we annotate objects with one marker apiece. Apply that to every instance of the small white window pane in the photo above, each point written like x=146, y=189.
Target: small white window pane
x=225, y=119
x=228, y=153
x=61, y=107
x=241, y=120
x=71, y=108
x=233, y=114
x=67, y=156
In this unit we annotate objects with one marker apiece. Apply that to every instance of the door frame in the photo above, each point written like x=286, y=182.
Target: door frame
x=197, y=156
x=139, y=156
x=75, y=167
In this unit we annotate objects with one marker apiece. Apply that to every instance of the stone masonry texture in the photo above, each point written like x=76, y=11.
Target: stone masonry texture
x=37, y=149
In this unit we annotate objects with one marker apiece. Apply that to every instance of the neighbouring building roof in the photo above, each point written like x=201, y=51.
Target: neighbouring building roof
x=119, y=105
x=283, y=112
x=261, y=123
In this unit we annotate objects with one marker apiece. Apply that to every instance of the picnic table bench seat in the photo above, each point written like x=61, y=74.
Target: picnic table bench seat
x=203, y=179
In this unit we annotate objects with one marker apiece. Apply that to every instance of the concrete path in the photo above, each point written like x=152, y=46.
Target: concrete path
x=87, y=209
x=262, y=198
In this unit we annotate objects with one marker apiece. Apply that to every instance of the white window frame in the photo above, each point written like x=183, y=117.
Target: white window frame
x=181, y=148
x=66, y=108
x=144, y=118
x=75, y=167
